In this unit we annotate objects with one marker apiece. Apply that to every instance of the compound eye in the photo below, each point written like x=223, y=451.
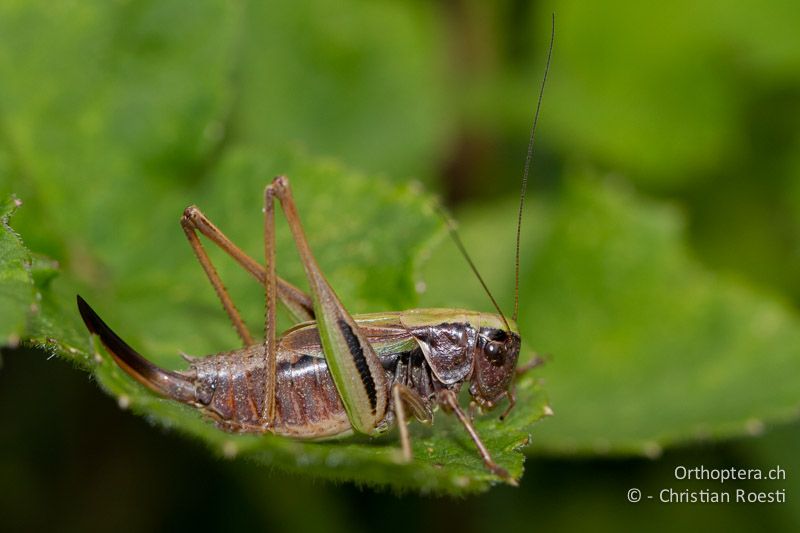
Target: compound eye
x=495, y=351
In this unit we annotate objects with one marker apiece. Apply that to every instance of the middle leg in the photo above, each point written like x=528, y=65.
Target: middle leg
x=403, y=397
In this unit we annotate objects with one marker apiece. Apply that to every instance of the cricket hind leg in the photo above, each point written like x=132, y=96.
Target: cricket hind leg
x=355, y=368
x=296, y=301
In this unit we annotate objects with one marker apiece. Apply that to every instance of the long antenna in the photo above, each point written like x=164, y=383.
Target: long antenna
x=460, y=245
x=528, y=160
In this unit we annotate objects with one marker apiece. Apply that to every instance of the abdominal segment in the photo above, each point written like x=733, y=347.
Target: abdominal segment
x=307, y=402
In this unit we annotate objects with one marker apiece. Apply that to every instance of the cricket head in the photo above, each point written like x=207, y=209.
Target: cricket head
x=495, y=360
x=461, y=345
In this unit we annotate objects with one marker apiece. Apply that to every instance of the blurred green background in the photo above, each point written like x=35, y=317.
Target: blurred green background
x=661, y=244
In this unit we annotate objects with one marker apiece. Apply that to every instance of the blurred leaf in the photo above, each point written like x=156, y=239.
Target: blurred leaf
x=100, y=97
x=662, y=92
x=648, y=349
x=362, y=81
x=16, y=283
x=776, y=449
x=145, y=96
x=663, y=110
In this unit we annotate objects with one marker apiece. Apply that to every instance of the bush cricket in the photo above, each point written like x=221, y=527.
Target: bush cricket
x=333, y=373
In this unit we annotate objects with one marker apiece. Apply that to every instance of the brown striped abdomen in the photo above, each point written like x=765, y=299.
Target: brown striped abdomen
x=308, y=405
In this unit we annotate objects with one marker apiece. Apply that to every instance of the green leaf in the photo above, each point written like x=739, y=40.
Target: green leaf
x=648, y=348
x=361, y=81
x=146, y=96
x=16, y=282
x=668, y=94
x=660, y=110
x=100, y=98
